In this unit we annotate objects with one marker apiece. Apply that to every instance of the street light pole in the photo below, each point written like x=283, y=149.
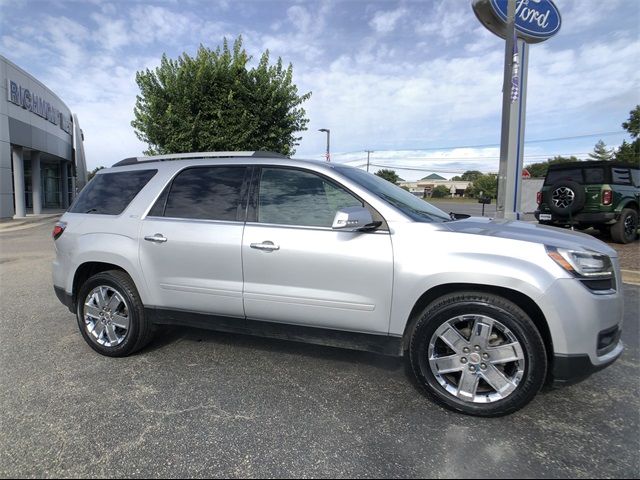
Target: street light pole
x=328, y=132
x=369, y=152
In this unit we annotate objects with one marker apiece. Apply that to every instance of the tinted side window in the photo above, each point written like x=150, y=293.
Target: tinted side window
x=594, y=176
x=574, y=174
x=207, y=193
x=294, y=197
x=635, y=174
x=111, y=193
x=621, y=176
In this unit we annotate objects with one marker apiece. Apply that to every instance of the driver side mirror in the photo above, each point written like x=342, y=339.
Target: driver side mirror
x=353, y=219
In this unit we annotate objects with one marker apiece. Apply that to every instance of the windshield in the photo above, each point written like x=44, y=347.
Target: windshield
x=412, y=206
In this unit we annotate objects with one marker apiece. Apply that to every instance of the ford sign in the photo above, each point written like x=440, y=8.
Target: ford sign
x=536, y=20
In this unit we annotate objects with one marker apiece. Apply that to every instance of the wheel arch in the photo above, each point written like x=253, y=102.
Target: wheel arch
x=86, y=270
x=520, y=299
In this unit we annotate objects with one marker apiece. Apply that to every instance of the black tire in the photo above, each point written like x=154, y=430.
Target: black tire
x=140, y=331
x=508, y=314
x=577, y=203
x=625, y=230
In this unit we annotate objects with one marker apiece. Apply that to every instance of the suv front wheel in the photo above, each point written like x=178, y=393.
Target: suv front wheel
x=111, y=316
x=478, y=354
x=625, y=229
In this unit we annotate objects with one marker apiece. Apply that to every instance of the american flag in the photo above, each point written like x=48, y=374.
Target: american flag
x=515, y=75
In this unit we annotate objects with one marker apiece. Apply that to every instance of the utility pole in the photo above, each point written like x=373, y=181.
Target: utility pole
x=369, y=152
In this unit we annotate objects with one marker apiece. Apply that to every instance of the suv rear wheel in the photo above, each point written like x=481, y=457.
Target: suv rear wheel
x=625, y=229
x=478, y=354
x=111, y=315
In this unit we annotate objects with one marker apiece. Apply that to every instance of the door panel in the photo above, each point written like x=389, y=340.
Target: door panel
x=191, y=244
x=198, y=268
x=319, y=277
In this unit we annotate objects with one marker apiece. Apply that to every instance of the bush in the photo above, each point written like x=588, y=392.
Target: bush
x=440, y=192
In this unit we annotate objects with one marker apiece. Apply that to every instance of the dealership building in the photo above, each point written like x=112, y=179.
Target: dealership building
x=42, y=162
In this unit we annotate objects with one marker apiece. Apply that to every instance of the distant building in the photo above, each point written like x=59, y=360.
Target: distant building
x=424, y=187
x=42, y=163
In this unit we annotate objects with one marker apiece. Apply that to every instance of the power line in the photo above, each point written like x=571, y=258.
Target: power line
x=488, y=145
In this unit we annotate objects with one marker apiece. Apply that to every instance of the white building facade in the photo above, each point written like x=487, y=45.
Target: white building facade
x=42, y=161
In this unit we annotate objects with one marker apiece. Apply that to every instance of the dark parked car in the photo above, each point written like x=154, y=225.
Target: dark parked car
x=604, y=195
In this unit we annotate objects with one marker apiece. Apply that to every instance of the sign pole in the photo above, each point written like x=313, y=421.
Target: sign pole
x=508, y=137
x=534, y=21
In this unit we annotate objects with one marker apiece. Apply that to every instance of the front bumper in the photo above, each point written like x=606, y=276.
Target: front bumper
x=585, y=328
x=570, y=369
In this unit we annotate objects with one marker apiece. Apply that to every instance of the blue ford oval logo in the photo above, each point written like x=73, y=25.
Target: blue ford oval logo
x=539, y=19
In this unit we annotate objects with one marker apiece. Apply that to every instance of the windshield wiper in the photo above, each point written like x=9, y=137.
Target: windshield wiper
x=91, y=210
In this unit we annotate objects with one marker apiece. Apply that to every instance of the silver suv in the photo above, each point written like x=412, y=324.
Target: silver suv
x=486, y=311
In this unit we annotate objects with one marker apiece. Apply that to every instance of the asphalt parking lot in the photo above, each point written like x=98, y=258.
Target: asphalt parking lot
x=206, y=404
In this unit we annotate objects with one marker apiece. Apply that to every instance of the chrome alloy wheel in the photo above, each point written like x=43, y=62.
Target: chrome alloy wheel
x=563, y=197
x=106, y=316
x=476, y=358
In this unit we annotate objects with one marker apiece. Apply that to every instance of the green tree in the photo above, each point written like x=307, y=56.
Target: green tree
x=539, y=170
x=633, y=124
x=93, y=172
x=213, y=101
x=601, y=152
x=389, y=175
x=487, y=184
x=468, y=176
x=630, y=152
x=440, y=191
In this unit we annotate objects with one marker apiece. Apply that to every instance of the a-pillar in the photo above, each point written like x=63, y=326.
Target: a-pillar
x=36, y=183
x=18, y=182
x=64, y=167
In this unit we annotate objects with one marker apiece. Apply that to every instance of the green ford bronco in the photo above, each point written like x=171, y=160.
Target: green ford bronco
x=603, y=195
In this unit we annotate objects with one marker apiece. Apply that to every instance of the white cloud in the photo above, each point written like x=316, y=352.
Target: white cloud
x=158, y=24
x=386, y=21
x=449, y=21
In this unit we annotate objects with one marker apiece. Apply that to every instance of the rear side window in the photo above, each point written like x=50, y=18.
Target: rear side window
x=621, y=176
x=204, y=193
x=574, y=174
x=111, y=193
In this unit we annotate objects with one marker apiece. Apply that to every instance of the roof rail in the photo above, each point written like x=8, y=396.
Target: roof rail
x=196, y=155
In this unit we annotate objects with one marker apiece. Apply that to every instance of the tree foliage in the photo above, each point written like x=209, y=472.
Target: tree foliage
x=468, y=176
x=441, y=191
x=214, y=102
x=601, y=152
x=539, y=170
x=486, y=184
x=93, y=172
x=630, y=152
x=389, y=175
x=633, y=124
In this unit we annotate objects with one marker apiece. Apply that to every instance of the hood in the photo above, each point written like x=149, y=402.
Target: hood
x=530, y=232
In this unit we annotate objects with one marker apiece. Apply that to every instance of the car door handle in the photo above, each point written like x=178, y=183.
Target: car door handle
x=265, y=246
x=157, y=238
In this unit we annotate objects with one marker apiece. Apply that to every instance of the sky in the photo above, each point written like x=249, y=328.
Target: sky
x=417, y=82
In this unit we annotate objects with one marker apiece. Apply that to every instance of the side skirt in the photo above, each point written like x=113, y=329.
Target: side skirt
x=381, y=344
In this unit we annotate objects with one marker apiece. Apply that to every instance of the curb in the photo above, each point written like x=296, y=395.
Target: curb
x=631, y=277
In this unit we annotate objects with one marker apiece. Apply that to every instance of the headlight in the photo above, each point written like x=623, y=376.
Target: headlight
x=582, y=264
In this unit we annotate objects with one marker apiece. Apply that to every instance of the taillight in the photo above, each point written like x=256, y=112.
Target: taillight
x=607, y=197
x=58, y=229
x=539, y=197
